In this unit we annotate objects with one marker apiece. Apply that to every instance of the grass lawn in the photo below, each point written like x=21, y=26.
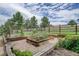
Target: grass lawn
x=51, y=33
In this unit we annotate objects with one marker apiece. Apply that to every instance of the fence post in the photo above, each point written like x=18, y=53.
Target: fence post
x=59, y=29
x=76, y=29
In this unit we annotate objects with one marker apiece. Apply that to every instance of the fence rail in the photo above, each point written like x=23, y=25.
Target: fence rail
x=59, y=29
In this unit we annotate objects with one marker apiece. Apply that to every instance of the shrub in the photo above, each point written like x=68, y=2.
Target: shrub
x=34, y=31
x=70, y=43
x=72, y=22
x=24, y=53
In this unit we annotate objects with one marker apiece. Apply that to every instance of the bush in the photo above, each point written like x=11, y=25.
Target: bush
x=34, y=31
x=70, y=43
x=24, y=53
x=72, y=37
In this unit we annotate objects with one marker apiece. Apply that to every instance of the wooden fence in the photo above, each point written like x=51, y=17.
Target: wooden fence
x=59, y=29
x=65, y=29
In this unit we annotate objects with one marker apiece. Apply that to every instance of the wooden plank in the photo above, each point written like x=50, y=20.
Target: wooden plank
x=8, y=49
x=62, y=52
x=47, y=49
x=15, y=39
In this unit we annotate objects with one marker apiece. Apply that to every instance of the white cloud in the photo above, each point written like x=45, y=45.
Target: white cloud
x=3, y=19
x=58, y=23
x=24, y=11
x=18, y=7
x=68, y=14
x=4, y=5
x=65, y=14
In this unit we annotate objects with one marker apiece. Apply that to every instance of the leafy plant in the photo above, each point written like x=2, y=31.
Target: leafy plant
x=24, y=53
x=34, y=31
x=70, y=43
x=39, y=36
x=72, y=22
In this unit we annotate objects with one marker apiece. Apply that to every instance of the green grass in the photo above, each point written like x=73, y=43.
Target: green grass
x=29, y=33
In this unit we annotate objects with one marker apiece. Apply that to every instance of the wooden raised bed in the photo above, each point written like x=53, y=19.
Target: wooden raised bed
x=59, y=35
x=35, y=42
x=15, y=39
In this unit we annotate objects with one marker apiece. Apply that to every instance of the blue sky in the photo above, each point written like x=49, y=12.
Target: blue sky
x=58, y=13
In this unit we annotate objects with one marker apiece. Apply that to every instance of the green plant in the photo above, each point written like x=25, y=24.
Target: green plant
x=72, y=22
x=22, y=53
x=34, y=31
x=39, y=36
x=70, y=43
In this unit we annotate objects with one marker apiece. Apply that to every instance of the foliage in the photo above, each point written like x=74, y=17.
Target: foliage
x=24, y=53
x=70, y=43
x=1, y=30
x=72, y=22
x=40, y=36
x=5, y=30
x=45, y=22
x=15, y=22
x=34, y=31
x=27, y=24
x=19, y=21
x=78, y=20
x=33, y=22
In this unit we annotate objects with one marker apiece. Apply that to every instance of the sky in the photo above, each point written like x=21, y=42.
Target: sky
x=58, y=13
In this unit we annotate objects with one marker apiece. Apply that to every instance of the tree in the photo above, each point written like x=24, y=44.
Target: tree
x=45, y=22
x=72, y=22
x=5, y=31
x=33, y=22
x=19, y=21
x=78, y=20
x=10, y=26
x=2, y=30
x=7, y=27
x=27, y=24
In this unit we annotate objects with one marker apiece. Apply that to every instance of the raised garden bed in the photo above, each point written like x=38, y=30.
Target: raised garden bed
x=35, y=42
x=15, y=39
x=51, y=36
x=59, y=35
